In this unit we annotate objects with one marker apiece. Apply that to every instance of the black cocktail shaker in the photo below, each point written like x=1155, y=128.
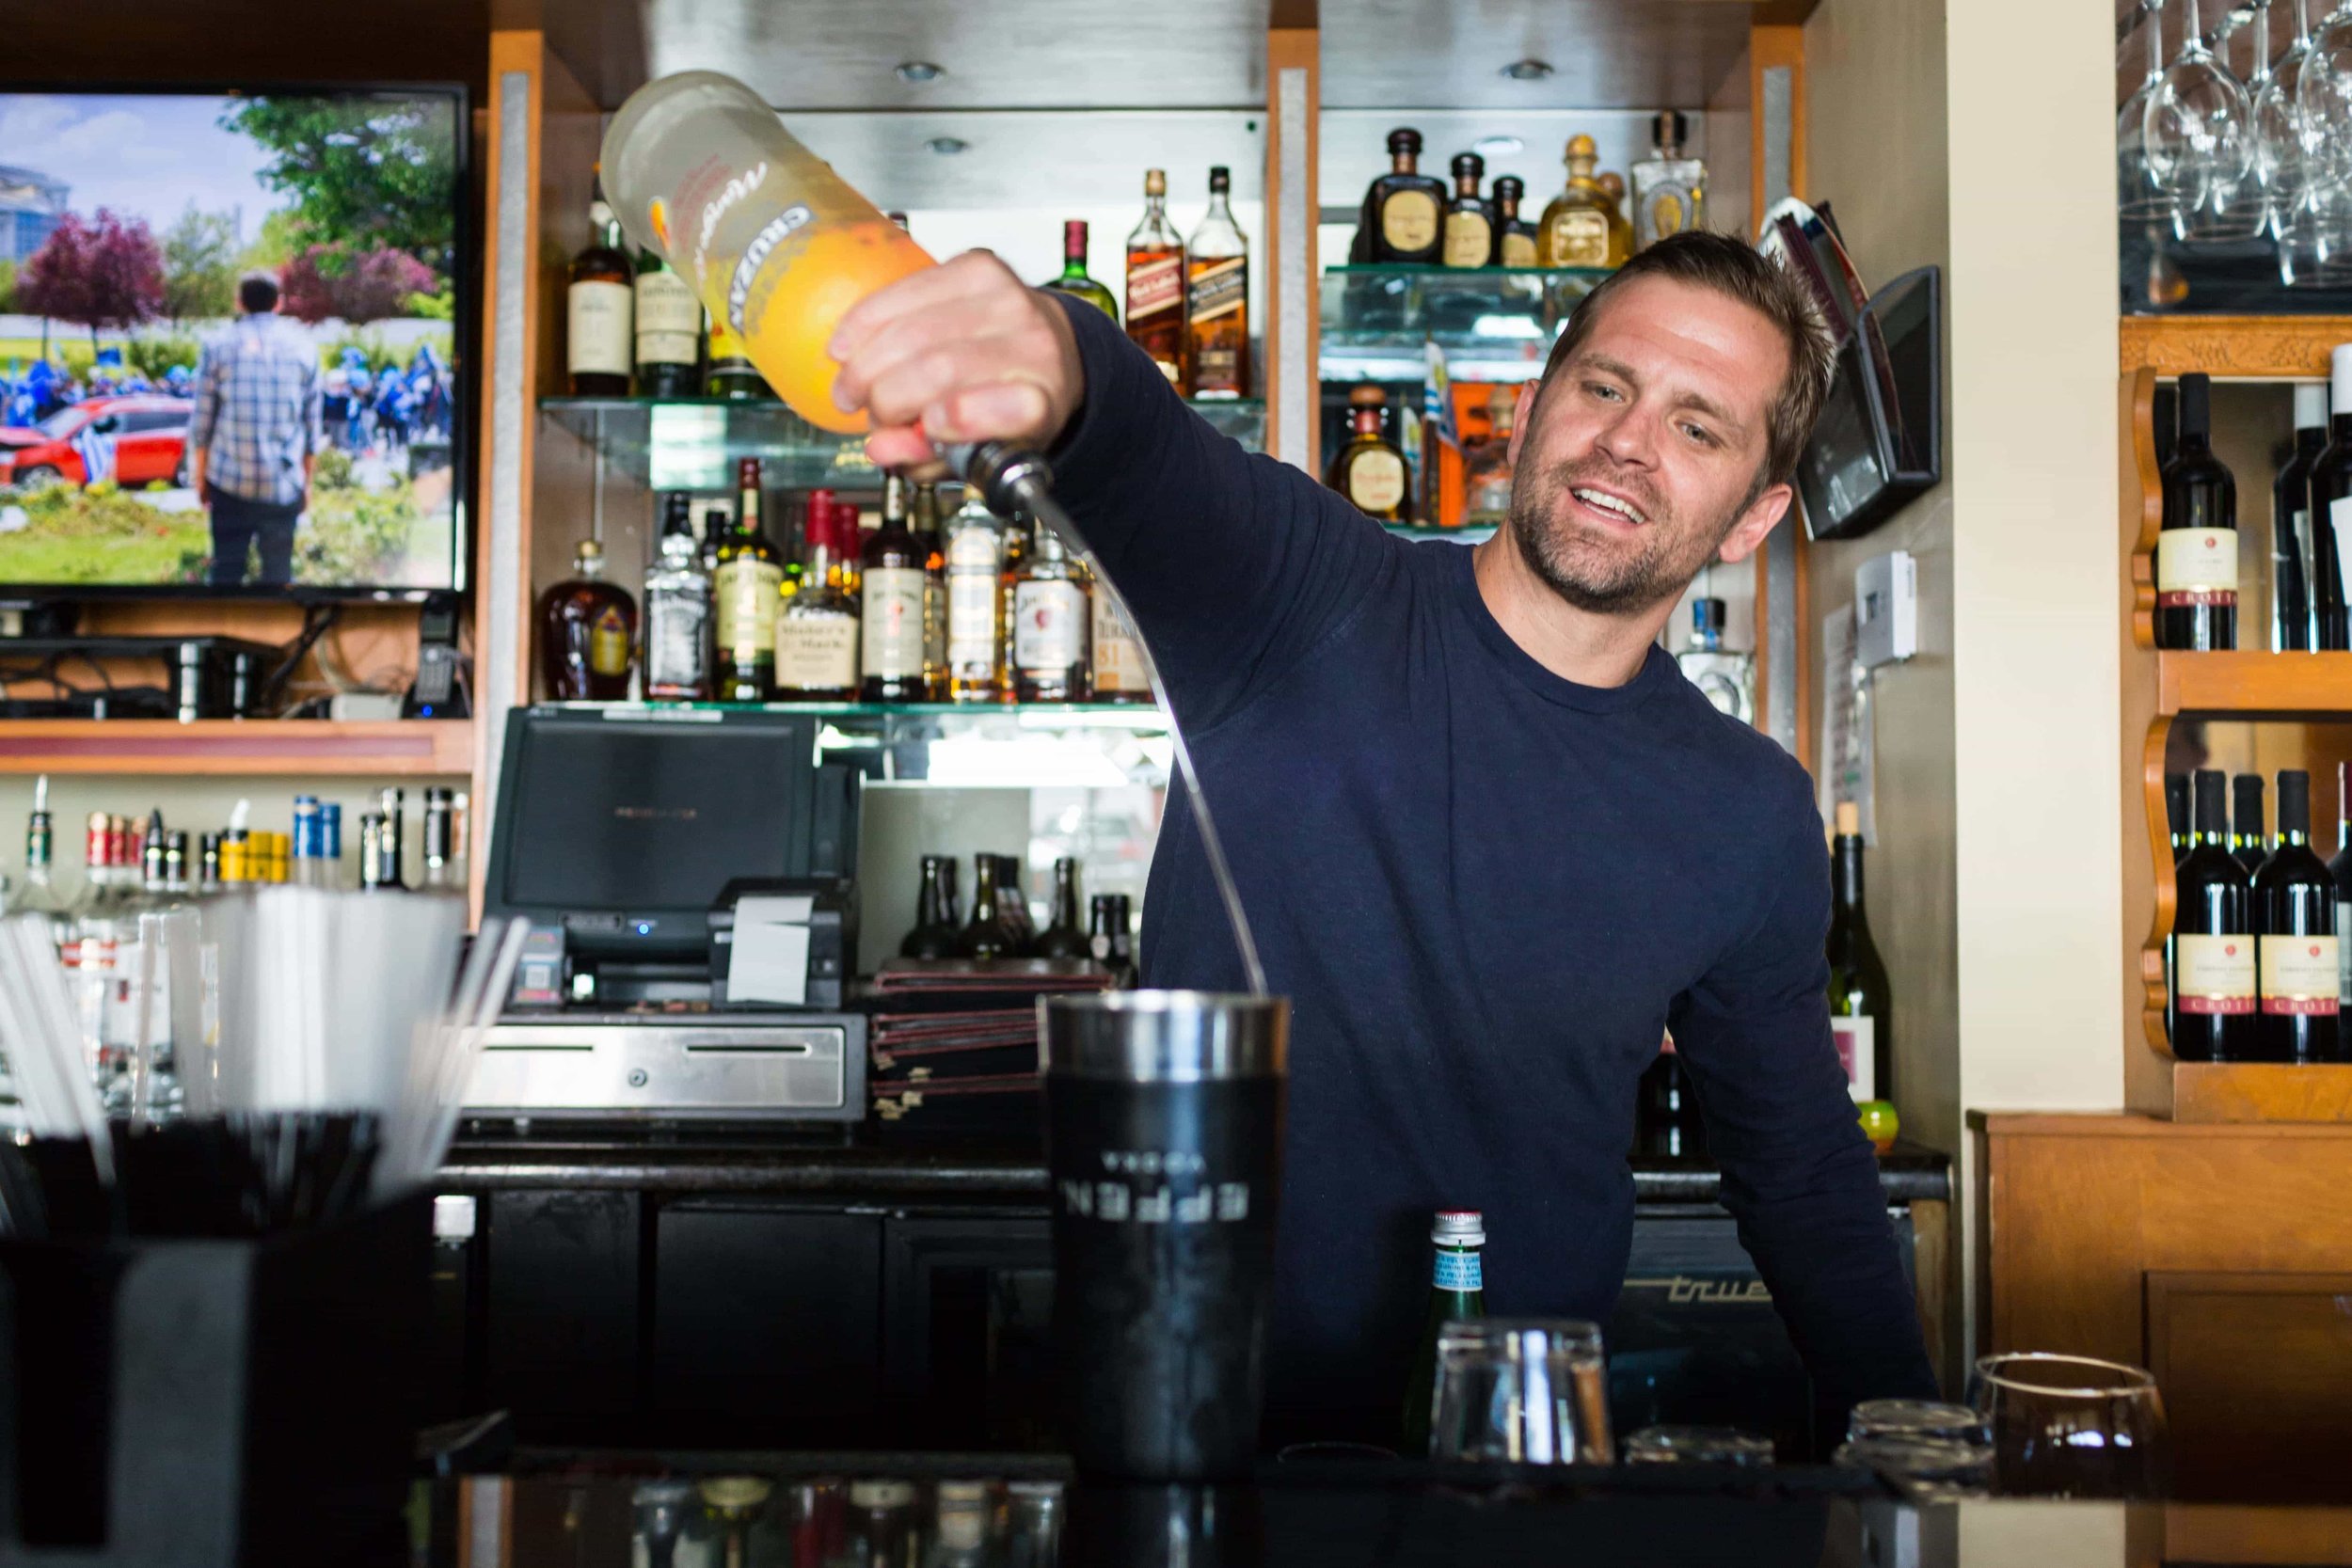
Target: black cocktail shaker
x=1164, y=1137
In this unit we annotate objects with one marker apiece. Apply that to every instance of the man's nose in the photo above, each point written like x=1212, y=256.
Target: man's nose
x=1631, y=439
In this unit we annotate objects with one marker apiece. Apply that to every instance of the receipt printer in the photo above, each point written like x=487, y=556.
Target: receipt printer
x=782, y=942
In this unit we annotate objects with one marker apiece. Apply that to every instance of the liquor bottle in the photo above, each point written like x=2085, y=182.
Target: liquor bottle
x=1725, y=677
x=975, y=634
x=1575, y=228
x=2291, y=525
x=986, y=935
x=208, y=865
x=1404, y=211
x=817, y=629
x=1860, y=1007
x=392, y=804
x=1667, y=1120
x=1669, y=190
x=1515, y=237
x=1457, y=1289
x=951, y=894
x=587, y=633
x=1620, y=227
x=1063, y=938
x=41, y=895
x=1216, y=299
x=2247, y=840
x=677, y=610
x=1051, y=623
x=1110, y=940
x=2176, y=814
x=597, y=346
x=2213, y=942
x=1156, y=283
x=1074, y=278
x=895, y=571
x=1369, y=469
x=668, y=331
x=330, y=842
x=731, y=374
x=1469, y=223
x=2196, y=552
x=2294, y=906
x=1012, y=905
x=2332, y=510
x=379, y=860
x=935, y=935
x=308, y=867
x=2340, y=871
x=930, y=535
x=743, y=592
x=178, y=882
x=1118, y=674
x=444, y=866
x=1486, y=464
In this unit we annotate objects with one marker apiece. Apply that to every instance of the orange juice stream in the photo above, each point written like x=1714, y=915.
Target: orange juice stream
x=699, y=169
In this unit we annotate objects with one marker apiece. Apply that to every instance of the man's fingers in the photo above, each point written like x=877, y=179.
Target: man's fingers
x=900, y=447
x=908, y=337
x=948, y=376
x=1006, y=411
x=973, y=271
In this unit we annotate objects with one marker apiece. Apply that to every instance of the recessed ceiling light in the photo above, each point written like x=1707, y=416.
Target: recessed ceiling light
x=1528, y=69
x=1497, y=146
x=920, y=71
x=947, y=146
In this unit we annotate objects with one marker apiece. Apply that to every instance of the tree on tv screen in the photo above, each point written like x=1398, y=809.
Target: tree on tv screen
x=318, y=284
x=201, y=265
x=365, y=174
x=101, y=272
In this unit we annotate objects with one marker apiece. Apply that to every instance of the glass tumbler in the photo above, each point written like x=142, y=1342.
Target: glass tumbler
x=1522, y=1392
x=1925, y=1468
x=2070, y=1426
x=1916, y=1419
x=1679, y=1445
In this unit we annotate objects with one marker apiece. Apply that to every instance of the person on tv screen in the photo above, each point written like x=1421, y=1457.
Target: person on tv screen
x=254, y=437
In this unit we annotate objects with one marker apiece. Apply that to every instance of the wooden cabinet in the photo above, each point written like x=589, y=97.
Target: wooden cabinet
x=2276, y=1423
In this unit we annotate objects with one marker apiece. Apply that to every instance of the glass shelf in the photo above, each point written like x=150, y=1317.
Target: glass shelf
x=1493, y=323
x=694, y=443
x=1476, y=534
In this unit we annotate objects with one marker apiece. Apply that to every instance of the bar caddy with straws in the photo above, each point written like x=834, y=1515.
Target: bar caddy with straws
x=689, y=879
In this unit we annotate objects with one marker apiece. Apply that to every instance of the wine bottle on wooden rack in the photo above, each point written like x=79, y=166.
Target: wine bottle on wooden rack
x=2176, y=812
x=2291, y=525
x=2197, y=551
x=2331, y=509
x=2247, y=840
x=2295, y=928
x=2212, y=939
x=2340, y=871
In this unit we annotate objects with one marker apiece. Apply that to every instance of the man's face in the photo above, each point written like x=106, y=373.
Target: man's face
x=1635, y=463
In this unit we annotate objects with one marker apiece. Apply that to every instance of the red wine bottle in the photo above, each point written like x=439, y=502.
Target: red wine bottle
x=2341, y=870
x=2247, y=840
x=2176, y=812
x=2295, y=927
x=2331, y=510
x=2212, y=939
x=2291, y=525
x=2197, y=551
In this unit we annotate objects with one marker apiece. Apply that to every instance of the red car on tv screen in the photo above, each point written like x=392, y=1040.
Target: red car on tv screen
x=136, y=441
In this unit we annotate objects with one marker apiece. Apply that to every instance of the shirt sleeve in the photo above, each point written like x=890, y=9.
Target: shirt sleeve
x=1235, y=565
x=313, y=437
x=1798, y=1175
x=207, y=411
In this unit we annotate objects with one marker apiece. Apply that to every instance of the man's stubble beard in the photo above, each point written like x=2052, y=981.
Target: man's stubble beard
x=1606, y=582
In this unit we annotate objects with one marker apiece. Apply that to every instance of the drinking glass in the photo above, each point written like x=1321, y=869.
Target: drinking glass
x=1926, y=1469
x=2137, y=199
x=1522, y=1392
x=2071, y=1426
x=1669, y=1444
x=2323, y=90
x=1916, y=1419
x=2287, y=159
x=2199, y=137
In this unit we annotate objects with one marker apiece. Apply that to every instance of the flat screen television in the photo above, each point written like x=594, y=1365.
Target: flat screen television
x=133, y=223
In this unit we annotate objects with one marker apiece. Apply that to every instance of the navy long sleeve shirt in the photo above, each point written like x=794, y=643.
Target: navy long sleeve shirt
x=1488, y=891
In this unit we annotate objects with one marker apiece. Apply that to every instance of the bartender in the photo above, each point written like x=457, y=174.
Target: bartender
x=1492, y=844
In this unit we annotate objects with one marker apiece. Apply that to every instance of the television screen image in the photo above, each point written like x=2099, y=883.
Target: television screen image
x=230, y=340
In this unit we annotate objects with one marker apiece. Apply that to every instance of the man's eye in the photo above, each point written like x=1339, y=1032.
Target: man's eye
x=1602, y=389
x=1700, y=434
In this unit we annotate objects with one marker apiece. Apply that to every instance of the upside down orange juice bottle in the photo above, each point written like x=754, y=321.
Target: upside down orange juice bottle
x=778, y=246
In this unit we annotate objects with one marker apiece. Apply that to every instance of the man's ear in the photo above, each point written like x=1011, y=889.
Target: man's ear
x=1520, y=415
x=1755, y=522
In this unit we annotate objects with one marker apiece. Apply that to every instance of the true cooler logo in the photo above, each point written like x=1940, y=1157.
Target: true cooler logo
x=1154, y=287
x=763, y=245
x=2196, y=567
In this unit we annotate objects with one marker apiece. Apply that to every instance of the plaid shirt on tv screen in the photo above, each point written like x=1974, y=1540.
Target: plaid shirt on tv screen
x=257, y=409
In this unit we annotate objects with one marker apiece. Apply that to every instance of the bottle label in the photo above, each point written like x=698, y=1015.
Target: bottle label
x=1468, y=240
x=1459, y=1271
x=724, y=344
x=2340, y=518
x=1049, y=621
x=893, y=648
x=669, y=320
x=1580, y=238
x=817, y=653
x=2213, y=974
x=677, y=624
x=1118, y=654
x=1375, y=481
x=2196, y=567
x=1665, y=214
x=1857, y=1040
x=974, y=559
x=745, y=592
x=2300, y=975
x=597, y=340
x=1518, y=250
x=1408, y=221
x=1155, y=285
x=608, y=642
x=2344, y=954
x=1220, y=287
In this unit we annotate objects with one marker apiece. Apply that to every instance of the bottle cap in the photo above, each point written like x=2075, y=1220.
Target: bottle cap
x=1220, y=178
x=1581, y=146
x=2213, y=801
x=1848, y=817
x=1073, y=237
x=1468, y=166
x=1611, y=182
x=2245, y=792
x=2176, y=801
x=1668, y=129
x=1509, y=187
x=2196, y=403
x=589, y=551
x=1707, y=615
x=1155, y=181
x=1366, y=395
x=1459, y=1227
x=2295, y=801
x=881, y=1494
x=2310, y=405
x=1405, y=139
x=2340, y=378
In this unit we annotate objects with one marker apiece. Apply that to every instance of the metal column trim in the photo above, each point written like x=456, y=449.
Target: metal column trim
x=1779, y=632
x=498, y=674
x=1293, y=233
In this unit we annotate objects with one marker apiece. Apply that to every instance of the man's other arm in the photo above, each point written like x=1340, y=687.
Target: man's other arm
x=1797, y=1174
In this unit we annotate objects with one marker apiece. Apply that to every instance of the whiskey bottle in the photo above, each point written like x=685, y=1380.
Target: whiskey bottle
x=976, y=640
x=1119, y=672
x=587, y=633
x=1074, y=279
x=1402, y=208
x=935, y=935
x=816, y=628
x=668, y=331
x=1486, y=464
x=743, y=591
x=1369, y=469
x=1155, y=282
x=677, y=610
x=895, y=569
x=1470, y=230
x=1063, y=938
x=1218, y=298
x=1051, y=625
x=596, y=343
x=1575, y=228
x=924, y=523
x=1669, y=190
x=1515, y=237
x=1620, y=228
x=731, y=374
